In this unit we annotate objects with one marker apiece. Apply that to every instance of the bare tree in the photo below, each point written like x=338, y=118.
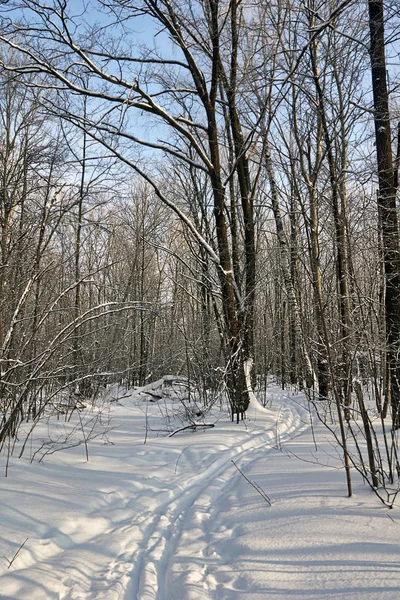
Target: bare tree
x=386, y=203
x=186, y=97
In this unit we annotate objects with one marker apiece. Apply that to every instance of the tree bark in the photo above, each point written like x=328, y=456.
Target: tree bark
x=287, y=275
x=386, y=202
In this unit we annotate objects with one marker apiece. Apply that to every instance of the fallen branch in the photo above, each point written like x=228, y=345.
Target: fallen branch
x=152, y=395
x=118, y=398
x=193, y=427
x=254, y=485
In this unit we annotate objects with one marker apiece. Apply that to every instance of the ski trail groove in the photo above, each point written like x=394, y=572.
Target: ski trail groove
x=149, y=579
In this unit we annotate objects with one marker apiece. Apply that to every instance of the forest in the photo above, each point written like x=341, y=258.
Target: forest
x=208, y=189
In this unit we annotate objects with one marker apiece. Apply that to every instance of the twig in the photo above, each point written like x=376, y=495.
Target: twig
x=152, y=395
x=391, y=518
x=277, y=434
x=84, y=437
x=194, y=427
x=10, y=562
x=118, y=398
x=176, y=464
x=312, y=425
x=254, y=485
x=147, y=422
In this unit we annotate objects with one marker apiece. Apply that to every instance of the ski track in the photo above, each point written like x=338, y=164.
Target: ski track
x=151, y=524
x=163, y=530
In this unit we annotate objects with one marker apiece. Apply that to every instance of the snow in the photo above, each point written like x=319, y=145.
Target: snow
x=174, y=519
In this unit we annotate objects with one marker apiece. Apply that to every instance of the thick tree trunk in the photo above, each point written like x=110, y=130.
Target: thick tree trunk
x=238, y=309
x=387, y=203
x=246, y=310
x=322, y=357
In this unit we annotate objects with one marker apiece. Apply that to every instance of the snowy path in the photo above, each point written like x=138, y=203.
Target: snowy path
x=173, y=519
x=312, y=543
x=186, y=515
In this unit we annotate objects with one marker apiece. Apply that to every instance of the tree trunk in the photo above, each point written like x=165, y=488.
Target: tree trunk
x=387, y=203
x=287, y=275
x=339, y=209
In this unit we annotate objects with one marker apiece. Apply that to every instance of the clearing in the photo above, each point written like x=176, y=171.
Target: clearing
x=171, y=518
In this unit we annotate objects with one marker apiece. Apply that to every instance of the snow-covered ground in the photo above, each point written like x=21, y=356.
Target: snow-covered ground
x=174, y=519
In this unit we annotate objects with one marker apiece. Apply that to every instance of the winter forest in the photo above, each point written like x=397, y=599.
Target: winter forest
x=199, y=233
